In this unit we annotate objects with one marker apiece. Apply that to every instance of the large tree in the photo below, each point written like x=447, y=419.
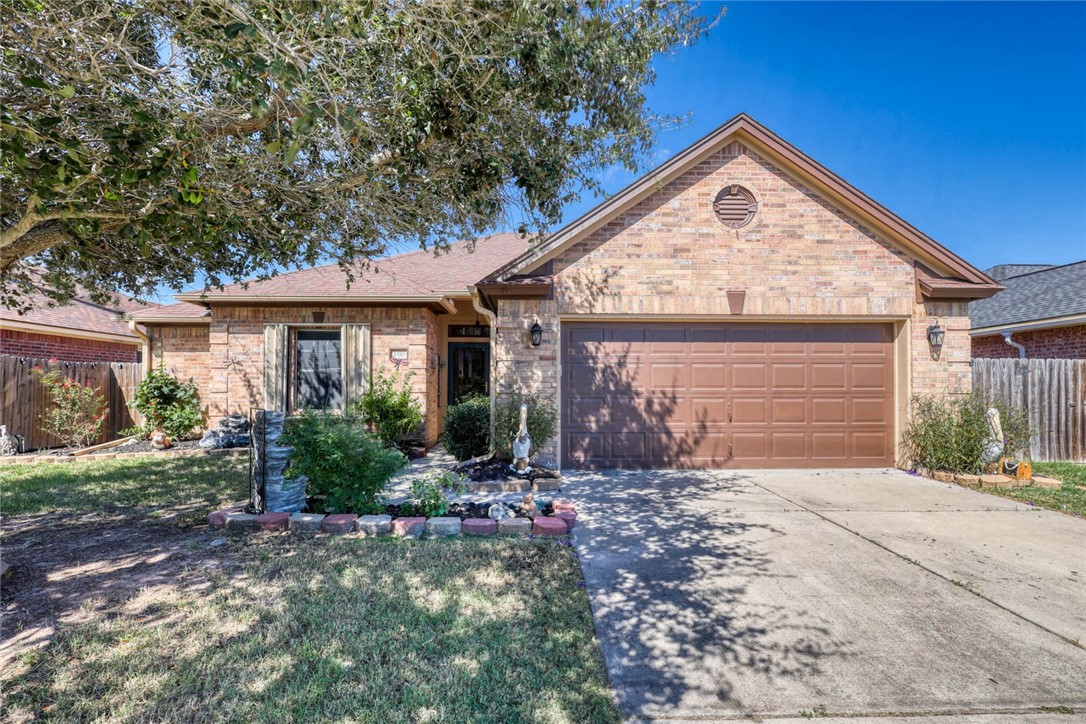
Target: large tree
x=162, y=142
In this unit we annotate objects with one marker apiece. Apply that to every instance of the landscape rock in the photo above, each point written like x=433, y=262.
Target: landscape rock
x=943, y=476
x=548, y=525
x=562, y=504
x=479, y=527
x=1043, y=482
x=411, y=527
x=499, y=511
x=546, y=484
x=240, y=521
x=1001, y=481
x=306, y=522
x=514, y=526
x=218, y=518
x=569, y=516
x=339, y=523
x=443, y=526
x=372, y=526
x=272, y=522
x=216, y=543
x=967, y=479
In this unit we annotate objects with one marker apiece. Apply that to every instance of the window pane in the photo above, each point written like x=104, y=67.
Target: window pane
x=318, y=381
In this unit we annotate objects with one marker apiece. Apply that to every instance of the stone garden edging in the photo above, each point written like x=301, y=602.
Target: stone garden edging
x=987, y=481
x=234, y=518
x=190, y=452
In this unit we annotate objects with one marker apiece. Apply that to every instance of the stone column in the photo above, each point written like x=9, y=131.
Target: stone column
x=282, y=494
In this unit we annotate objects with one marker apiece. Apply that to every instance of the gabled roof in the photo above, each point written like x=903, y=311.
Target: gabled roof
x=419, y=276
x=80, y=316
x=1048, y=296
x=745, y=129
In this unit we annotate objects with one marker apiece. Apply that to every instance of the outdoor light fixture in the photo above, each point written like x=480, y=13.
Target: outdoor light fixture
x=536, y=334
x=936, y=335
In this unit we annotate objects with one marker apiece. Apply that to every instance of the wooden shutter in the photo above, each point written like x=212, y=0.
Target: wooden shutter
x=276, y=344
x=356, y=362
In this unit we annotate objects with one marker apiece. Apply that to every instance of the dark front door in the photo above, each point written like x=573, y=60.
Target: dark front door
x=469, y=370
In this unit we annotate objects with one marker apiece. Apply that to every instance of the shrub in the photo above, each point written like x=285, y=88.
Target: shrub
x=542, y=423
x=428, y=493
x=466, y=429
x=166, y=403
x=389, y=406
x=951, y=433
x=346, y=466
x=78, y=412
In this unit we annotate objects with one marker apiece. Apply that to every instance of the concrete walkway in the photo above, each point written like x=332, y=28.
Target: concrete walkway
x=857, y=593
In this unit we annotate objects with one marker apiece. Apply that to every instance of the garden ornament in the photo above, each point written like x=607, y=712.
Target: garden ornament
x=159, y=440
x=522, y=444
x=499, y=511
x=9, y=444
x=993, y=446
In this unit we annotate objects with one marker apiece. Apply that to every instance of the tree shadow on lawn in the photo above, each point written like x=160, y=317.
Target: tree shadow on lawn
x=670, y=561
x=324, y=629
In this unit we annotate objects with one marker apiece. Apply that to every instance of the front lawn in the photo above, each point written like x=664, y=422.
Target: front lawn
x=336, y=629
x=163, y=620
x=1069, y=498
x=193, y=484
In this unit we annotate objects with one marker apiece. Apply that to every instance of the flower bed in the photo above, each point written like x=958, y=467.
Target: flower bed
x=556, y=519
x=494, y=476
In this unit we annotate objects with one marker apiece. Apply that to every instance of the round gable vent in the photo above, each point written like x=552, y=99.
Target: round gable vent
x=735, y=206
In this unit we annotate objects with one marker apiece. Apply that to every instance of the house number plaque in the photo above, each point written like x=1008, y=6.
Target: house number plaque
x=398, y=355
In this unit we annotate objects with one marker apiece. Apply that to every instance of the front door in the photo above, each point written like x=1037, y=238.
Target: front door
x=469, y=370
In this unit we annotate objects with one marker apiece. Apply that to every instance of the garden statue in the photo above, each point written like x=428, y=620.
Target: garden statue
x=522, y=444
x=529, y=506
x=993, y=446
x=159, y=440
x=500, y=511
x=9, y=444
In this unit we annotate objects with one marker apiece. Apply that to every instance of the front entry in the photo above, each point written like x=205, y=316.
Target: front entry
x=469, y=370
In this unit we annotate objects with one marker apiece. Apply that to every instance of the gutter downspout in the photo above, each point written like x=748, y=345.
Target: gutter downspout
x=1021, y=349
x=492, y=318
x=146, y=345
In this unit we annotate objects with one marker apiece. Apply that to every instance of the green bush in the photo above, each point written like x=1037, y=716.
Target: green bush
x=166, y=403
x=466, y=429
x=346, y=466
x=542, y=423
x=78, y=413
x=951, y=433
x=389, y=406
x=428, y=493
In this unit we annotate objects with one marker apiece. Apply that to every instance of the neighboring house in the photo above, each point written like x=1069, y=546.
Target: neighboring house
x=80, y=331
x=738, y=306
x=1042, y=308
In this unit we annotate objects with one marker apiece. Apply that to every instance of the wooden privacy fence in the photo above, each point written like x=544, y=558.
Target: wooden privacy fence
x=1053, y=393
x=24, y=401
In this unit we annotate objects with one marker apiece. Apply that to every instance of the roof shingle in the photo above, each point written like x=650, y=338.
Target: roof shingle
x=1047, y=293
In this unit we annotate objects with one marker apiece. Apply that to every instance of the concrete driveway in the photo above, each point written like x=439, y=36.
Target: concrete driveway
x=806, y=593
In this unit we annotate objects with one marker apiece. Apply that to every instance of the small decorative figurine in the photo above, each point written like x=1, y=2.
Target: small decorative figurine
x=159, y=440
x=522, y=444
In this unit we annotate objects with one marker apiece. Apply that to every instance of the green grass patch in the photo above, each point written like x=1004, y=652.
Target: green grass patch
x=1068, y=498
x=336, y=630
x=192, y=484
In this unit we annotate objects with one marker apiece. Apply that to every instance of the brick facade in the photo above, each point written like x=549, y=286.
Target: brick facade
x=1055, y=343
x=226, y=357
x=68, y=349
x=668, y=255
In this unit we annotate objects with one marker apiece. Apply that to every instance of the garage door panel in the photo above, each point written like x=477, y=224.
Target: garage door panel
x=727, y=395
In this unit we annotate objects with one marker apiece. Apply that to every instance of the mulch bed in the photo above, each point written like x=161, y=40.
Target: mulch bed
x=491, y=470
x=460, y=510
x=141, y=446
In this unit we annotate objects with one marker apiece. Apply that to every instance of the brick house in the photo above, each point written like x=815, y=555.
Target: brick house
x=738, y=306
x=80, y=331
x=1042, y=311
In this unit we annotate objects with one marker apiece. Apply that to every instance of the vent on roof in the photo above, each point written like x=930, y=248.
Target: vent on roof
x=735, y=206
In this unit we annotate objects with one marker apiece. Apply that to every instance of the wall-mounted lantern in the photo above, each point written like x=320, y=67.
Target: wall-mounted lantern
x=936, y=336
x=536, y=334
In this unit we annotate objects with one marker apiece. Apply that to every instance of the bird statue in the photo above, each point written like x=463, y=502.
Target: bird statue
x=522, y=444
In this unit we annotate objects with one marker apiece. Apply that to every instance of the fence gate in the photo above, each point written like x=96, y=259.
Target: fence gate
x=1053, y=393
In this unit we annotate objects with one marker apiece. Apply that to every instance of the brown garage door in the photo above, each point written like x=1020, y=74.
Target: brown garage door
x=726, y=395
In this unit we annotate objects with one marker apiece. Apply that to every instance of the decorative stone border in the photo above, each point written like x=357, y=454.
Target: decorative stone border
x=987, y=481
x=378, y=526
x=509, y=485
x=186, y=453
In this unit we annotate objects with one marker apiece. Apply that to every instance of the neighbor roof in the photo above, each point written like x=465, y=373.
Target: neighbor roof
x=80, y=315
x=745, y=129
x=1006, y=271
x=424, y=275
x=1049, y=293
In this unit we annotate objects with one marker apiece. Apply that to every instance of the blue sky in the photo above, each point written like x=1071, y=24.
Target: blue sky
x=966, y=119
